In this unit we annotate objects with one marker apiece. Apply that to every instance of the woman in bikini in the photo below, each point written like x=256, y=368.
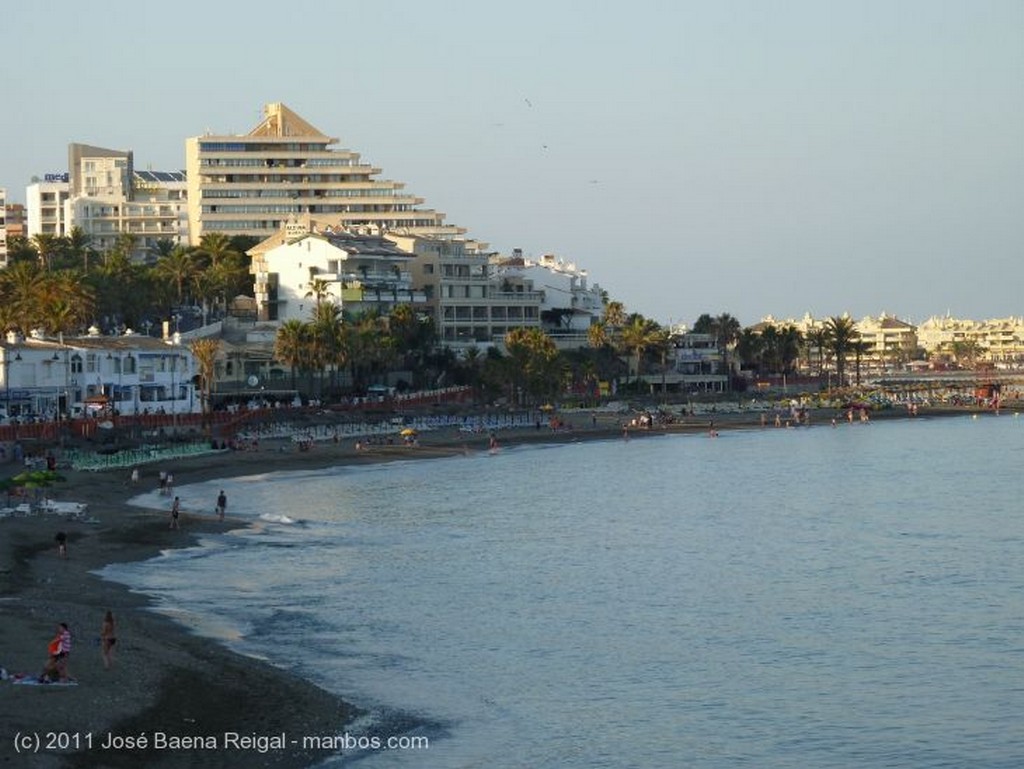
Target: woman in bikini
x=108, y=637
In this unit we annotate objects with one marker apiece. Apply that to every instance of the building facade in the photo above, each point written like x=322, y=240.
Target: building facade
x=357, y=271
x=110, y=199
x=44, y=378
x=44, y=205
x=284, y=168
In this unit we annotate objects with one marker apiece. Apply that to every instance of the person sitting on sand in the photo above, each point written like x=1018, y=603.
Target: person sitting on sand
x=56, y=668
x=50, y=669
x=108, y=637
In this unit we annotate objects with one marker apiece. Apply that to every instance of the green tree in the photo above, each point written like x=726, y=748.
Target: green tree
x=636, y=337
x=178, y=268
x=291, y=345
x=533, y=360
x=205, y=353
x=47, y=247
x=842, y=333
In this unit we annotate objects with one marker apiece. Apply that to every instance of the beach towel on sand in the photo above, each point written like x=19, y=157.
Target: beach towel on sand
x=24, y=679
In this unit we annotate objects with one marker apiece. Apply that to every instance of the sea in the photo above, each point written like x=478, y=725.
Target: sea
x=848, y=596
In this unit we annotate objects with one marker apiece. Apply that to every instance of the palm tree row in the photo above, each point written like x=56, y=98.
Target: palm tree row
x=110, y=289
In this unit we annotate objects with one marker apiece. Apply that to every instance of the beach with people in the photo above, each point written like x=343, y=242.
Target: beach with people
x=164, y=678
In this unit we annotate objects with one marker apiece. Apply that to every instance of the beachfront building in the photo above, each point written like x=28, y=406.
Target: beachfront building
x=568, y=305
x=44, y=205
x=888, y=343
x=472, y=299
x=998, y=341
x=95, y=375
x=356, y=270
x=284, y=168
x=109, y=199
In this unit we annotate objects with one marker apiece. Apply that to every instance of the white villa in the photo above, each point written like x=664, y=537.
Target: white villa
x=358, y=271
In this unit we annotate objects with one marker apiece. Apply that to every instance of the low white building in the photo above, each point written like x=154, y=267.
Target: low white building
x=96, y=374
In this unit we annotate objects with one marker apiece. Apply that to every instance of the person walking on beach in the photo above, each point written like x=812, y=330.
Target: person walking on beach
x=135, y=476
x=175, y=511
x=108, y=637
x=62, y=544
x=222, y=502
x=163, y=482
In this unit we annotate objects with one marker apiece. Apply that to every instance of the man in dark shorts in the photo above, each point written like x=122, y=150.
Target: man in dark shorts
x=222, y=502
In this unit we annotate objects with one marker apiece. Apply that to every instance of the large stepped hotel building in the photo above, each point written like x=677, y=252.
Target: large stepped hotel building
x=284, y=169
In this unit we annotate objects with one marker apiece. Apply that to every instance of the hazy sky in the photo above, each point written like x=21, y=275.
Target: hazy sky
x=745, y=157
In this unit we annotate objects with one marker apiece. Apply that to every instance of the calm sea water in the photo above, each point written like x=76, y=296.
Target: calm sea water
x=849, y=597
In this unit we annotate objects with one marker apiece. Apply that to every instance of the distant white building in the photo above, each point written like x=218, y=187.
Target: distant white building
x=128, y=374
x=568, y=305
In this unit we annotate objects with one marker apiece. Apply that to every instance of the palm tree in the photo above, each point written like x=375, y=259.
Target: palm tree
x=216, y=248
x=859, y=348
x=818, y=338
x=320, y=291
x=329, y=330
x=178, y=267
x=79, y=246
x=291, y=344
x=597, y=334
x=205, y=352
x=23, y=282
x=46, y=246
x=842, y=333
x=614, y=315
x=789, y=343
x=725, y=329
x=749, y=348
x=637, y=337
x=533, y=358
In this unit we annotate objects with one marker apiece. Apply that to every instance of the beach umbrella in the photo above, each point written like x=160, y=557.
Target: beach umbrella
x=407, y=432
x=547, y=407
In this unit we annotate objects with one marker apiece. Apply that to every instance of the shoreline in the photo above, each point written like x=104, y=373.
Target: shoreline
x=165, y=678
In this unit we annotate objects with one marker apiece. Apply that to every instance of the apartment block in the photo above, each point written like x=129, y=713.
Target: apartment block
x=285, y=168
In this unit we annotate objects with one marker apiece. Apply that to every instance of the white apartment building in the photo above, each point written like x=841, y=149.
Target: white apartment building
x=997, y=340
x=44, y=205
x=568, y=305
x=285, y=168
x=109, y=198
x=471, y=305
x=356, y=271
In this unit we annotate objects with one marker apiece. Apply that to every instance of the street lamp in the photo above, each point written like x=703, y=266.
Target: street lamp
x=7, y=380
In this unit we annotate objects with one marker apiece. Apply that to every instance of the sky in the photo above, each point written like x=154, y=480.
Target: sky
x=757, y=158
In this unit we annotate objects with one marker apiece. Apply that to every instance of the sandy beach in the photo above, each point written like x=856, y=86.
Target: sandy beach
x=164, y=680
